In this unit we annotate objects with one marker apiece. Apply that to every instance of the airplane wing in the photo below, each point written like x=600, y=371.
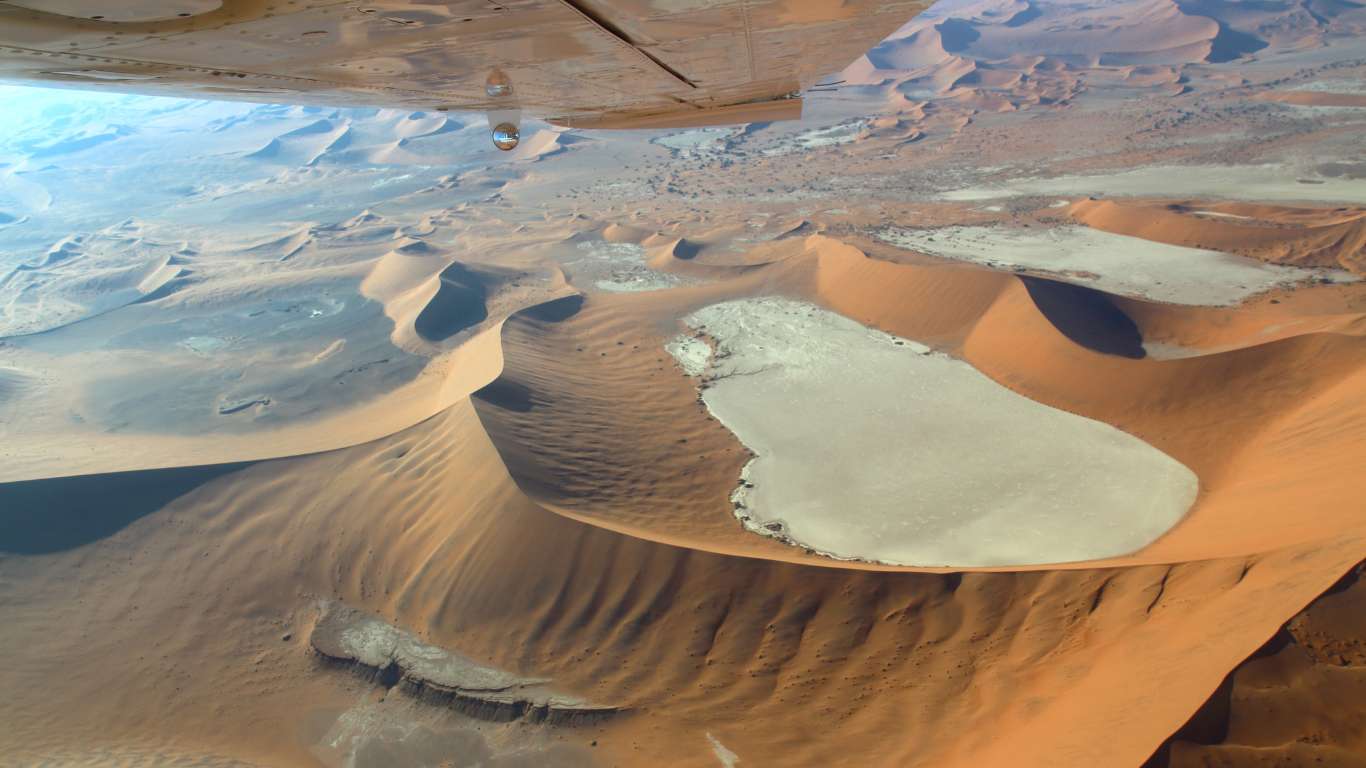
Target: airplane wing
x=583, y=63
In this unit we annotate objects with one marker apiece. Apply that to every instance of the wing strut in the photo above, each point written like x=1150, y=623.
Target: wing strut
x=607, y=28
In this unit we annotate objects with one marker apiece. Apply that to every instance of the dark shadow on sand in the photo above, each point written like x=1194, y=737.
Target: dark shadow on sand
x=686, y=250
x=56, y=514
x=956, y=35
x=507, y=394
x=555, y=311
x=459, y=303
x=1087, y=317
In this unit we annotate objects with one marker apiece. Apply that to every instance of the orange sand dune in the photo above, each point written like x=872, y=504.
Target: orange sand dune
x=603, y=427
x=636, y=586
x=782, y=663
x=549, y=498
x=1312, y=237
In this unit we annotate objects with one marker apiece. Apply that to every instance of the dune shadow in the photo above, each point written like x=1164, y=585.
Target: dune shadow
x=459, y=303
x=554, y=311
x=507, y=394
x=1086, y=316
x=955, y=35
x=686, y=250
x=57, y=514
x=1230, y=44
x=1211, y=723
x=1030, y=13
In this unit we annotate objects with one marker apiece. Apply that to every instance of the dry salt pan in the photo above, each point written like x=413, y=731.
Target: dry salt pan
x=872, y=447
x=1267, y=183
x=1113, y=263
x=618, y=268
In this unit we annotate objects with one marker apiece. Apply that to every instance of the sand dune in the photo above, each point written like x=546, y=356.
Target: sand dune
x=1079, y=32
x=545, y=143
x=284, y=247
x=457, y=305
x=1296, y=700
x=418, y=125
x=79, y=279
x=579, y=368
x=1004, y=55
x=389, y=137
x=180, y=380
x=1320, y=237
x=700, y=644
x=306, y=145
x=408, y=456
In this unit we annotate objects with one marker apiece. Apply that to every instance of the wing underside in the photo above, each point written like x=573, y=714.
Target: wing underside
x=593, y=63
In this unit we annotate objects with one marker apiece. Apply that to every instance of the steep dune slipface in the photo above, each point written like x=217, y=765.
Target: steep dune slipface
x=306, y=145
x=1296, y=701
x=458, y=304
